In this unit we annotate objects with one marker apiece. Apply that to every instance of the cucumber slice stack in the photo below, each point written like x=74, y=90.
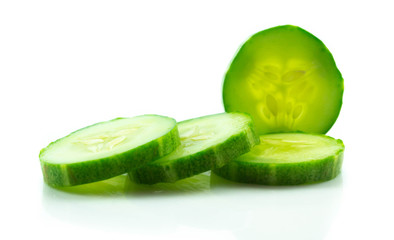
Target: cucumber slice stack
x=287, y=80
x=206, y=143
x=287, y=159
x=149, y=147
x=283, y=79
x=108, y=149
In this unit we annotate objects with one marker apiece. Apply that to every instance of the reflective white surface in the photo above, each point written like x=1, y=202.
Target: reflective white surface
x=66, y=65
x=203, y=205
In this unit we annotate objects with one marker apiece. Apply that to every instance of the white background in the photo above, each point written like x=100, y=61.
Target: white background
x=68, y=64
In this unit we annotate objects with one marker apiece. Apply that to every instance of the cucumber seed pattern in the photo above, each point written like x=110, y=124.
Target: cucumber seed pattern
x=272, y=146
x=282, y=94
x=105, y=141
x=193, y=135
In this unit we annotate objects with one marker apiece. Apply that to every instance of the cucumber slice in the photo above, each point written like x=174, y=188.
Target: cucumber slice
x=287, y=80
x=206, y=143
x=287, y=159
x=108, y=149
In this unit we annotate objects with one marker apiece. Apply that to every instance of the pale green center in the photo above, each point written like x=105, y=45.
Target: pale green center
x=195, y=134
x=104, y=141
x=292, y=147
x=282, y=93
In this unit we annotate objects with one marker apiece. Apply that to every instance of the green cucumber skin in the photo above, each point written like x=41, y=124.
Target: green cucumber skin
x=283, y=173
x=61, y=175
x=211, y=158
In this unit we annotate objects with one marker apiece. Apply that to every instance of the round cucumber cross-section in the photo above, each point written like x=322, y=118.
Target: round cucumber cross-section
x=206, y=143
x=287, y=80
x=287, y=159
x=108, y=149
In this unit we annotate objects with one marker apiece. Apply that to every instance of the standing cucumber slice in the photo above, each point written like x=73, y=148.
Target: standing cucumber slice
x=287, y=80
x=108, y=149
x=287, y=159
x=206, y=143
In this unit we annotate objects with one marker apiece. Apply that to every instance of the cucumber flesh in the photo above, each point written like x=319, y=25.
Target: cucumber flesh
x=287, y=80
x=108, y=149
x=206, y=143
x=287, y=159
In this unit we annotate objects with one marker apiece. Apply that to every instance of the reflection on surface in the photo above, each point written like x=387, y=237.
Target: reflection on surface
x=216, y=205
x=121, y=185
x=283, y=212
x=196, y=184
x=110, y=187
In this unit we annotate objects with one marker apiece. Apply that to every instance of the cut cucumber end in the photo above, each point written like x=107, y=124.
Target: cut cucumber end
x=287, y=80
x=287, y=159
x=206, y=143
x=108, y=149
